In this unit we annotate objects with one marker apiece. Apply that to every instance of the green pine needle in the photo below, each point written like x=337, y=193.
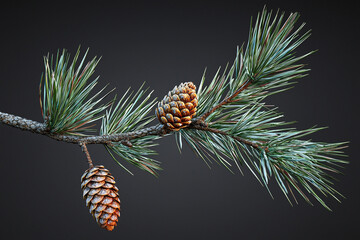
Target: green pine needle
x=66, y=105
x=131, y=113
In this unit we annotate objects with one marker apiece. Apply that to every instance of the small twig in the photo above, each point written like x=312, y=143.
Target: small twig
x=225, y=101
x=85, y=150
x=239, y=139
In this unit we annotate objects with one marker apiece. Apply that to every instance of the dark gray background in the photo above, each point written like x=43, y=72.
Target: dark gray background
x=165, y=44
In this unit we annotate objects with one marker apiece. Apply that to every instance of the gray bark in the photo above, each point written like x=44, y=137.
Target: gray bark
x=41, y=128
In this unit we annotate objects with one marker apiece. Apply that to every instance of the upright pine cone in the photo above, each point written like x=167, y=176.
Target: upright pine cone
x=101, y=196
x=178, y=107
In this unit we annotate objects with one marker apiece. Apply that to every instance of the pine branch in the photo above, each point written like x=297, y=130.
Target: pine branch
x=234, y=125
x=41, y=128
x=23, y=123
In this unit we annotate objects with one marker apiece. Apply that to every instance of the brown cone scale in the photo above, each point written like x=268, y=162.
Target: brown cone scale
x=101, y=196
x=178, y=107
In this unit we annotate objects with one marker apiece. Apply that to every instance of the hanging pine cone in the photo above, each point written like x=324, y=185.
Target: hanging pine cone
x=178, y=107
x=101, y=196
